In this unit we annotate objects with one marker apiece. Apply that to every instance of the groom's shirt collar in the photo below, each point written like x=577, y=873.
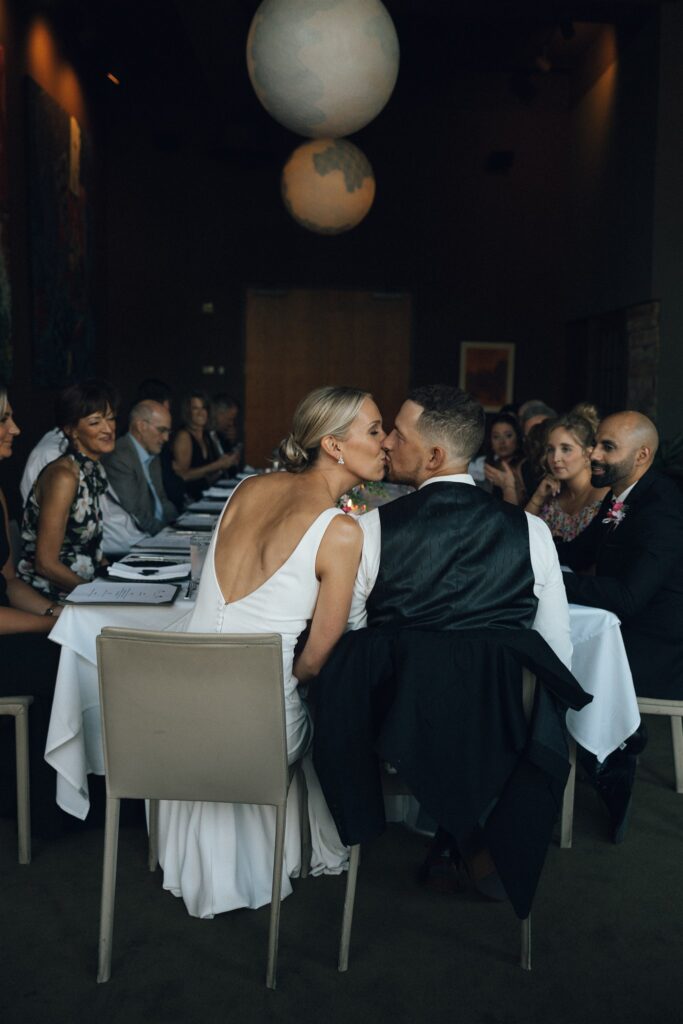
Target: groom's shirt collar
x=454, y=478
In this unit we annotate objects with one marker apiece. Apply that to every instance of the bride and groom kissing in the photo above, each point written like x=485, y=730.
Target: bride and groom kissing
x=443, y=563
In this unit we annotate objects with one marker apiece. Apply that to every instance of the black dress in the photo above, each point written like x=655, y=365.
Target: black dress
x=195, y=487
x=28, y=666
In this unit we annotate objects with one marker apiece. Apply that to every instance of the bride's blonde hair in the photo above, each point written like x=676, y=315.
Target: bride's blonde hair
x=322, y=412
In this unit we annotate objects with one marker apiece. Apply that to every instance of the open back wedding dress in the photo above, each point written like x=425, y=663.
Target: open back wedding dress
x=219, y=857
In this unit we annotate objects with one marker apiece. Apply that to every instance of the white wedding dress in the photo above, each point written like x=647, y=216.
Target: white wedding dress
x=219, y=857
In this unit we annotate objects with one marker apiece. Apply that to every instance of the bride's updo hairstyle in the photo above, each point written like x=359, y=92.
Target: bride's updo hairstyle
x=322, y=412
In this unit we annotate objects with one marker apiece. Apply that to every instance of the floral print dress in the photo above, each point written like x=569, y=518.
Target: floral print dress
x=81, y=549
x=564, y=525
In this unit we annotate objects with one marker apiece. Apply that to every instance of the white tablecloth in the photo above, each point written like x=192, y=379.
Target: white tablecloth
x=74, y=742
x=74, y=739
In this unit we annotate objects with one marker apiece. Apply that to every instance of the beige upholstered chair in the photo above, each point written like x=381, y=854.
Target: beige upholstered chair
x=393, y=786
x=674, y=710
x=18, y=708
x=191, y=716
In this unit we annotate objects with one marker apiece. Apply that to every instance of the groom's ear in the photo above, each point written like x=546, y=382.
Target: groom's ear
x=437, y=458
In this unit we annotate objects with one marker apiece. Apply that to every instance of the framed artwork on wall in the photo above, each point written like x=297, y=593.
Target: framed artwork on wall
x=487, y=371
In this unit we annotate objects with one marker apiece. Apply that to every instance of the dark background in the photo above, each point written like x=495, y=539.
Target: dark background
x=511, y=202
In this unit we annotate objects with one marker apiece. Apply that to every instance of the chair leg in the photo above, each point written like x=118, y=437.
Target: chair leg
x=567, y=817
x=305, y=825
x=274, y=928
x=525, y=948
x=153, y=843
x=111, y=845
x=677, y=740
x=23, y=790
x=349, y=900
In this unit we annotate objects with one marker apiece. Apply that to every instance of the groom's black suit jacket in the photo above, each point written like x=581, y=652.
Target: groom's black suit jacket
x=434, y=685
x=638, y=576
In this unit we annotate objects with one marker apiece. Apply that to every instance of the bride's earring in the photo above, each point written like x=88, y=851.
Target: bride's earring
x=340, y=460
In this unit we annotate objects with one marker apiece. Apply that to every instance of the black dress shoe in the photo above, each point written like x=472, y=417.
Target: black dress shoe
x=637, y=741
x=614, y=782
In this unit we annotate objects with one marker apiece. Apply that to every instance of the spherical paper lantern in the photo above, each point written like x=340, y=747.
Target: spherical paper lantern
x=328, y=185
x=323, y=68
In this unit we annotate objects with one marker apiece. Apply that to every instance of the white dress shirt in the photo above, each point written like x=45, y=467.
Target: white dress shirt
x=552, y=613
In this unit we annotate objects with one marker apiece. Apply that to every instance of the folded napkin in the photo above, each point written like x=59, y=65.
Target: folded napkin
x=162, y=572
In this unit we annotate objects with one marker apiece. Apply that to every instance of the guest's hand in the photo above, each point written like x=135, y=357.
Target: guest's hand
x=500, y=476
x=547, y=488
x=227, y=461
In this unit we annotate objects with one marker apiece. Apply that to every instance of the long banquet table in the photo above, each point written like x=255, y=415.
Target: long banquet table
x=74, y=743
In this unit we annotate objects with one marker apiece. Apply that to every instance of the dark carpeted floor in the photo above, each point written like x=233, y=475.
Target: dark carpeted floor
x=607, y=935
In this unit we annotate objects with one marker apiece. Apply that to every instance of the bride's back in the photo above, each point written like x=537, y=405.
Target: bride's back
x=263, y=524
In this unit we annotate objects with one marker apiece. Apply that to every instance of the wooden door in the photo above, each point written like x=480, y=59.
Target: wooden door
x=300, y=339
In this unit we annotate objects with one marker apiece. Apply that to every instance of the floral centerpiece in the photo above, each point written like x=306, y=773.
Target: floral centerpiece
x=356, y=500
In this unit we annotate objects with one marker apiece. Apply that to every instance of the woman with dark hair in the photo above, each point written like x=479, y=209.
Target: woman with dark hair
x=195, y=457
x=565, y=498
x=504, y=452
x=62, y=524
x=29, y=662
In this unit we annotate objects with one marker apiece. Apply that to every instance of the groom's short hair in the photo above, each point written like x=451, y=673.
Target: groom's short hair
x=450, y=417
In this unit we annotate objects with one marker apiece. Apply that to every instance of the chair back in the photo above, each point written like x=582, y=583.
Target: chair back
x=193, y=716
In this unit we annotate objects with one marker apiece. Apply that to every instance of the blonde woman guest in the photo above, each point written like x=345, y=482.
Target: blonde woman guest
x=565, y=498
x=282, y=555
x=62, y=526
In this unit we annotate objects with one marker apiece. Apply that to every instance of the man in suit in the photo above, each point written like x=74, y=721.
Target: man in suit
x=630, y=561
x=134, y=469
x=455, y=587
x=634, y=551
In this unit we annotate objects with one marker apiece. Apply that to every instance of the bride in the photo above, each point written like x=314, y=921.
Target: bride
x=282, y=555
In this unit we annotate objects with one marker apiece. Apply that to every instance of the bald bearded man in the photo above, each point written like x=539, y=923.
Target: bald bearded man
x=634, y=545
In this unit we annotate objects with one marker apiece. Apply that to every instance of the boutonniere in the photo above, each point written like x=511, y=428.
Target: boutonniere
x=616, y=513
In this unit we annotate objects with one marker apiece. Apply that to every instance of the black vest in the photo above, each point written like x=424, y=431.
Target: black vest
x=453, y=557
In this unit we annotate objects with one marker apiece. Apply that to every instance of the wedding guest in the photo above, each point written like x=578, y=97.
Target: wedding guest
x=153, y=390
x=504, y=453
x=29, y=662
x=532, y=412
x=134, y=468
x=565, y=498
x=120, y=532
x=225, y=433
x=633, y=549
x=62, y=524
x=533, y=468
x=195, y=457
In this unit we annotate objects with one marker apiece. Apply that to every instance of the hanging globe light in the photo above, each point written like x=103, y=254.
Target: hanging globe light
x=328, y=186
x=323, y=68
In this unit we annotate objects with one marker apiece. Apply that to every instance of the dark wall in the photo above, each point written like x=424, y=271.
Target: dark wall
x=482, y=253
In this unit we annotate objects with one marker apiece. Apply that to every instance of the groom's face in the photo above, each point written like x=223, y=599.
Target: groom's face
x=405, y=447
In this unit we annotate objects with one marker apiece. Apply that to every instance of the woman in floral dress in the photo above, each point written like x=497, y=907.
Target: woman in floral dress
x=62, y=524
x=565, y=498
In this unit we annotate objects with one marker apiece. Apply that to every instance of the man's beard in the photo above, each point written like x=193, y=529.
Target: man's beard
x=613, y=472
x=396, y=476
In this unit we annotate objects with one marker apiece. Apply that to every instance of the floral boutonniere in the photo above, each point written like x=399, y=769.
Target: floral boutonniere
x=616, y=513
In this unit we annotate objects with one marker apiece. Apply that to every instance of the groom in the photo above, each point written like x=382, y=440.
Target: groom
x=455, y=588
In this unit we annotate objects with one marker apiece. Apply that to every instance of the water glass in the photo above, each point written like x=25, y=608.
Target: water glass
x=199, y=545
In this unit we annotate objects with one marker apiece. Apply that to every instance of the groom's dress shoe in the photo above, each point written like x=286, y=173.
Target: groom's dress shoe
x=614, y=782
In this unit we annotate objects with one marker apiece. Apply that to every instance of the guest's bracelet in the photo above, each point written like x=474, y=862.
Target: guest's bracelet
x=536, y=504
x=50, y=611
